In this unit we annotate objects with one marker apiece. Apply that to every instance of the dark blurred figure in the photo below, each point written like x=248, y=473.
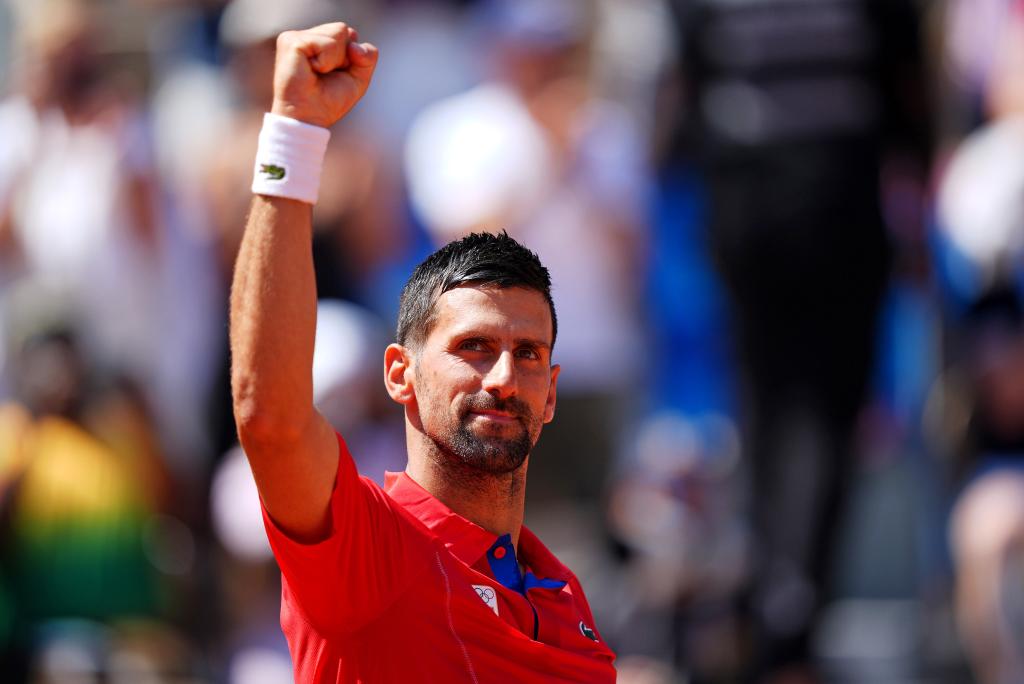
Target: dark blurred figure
x=796, y=114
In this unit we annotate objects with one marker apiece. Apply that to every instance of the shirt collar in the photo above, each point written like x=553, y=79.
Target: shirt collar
x=464, y=538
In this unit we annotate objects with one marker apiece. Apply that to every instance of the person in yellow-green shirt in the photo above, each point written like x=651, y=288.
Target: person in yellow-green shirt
x=79, y=481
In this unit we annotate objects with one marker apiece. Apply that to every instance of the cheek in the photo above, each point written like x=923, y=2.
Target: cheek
x=438, y=391
x=433, y=414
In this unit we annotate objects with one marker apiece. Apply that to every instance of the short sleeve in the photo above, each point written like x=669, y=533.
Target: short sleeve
x=367, y=560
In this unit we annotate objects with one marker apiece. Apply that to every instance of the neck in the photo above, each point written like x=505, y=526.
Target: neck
x=494, y=502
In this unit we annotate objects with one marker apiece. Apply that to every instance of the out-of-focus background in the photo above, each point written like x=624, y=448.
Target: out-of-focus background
x=787, y=245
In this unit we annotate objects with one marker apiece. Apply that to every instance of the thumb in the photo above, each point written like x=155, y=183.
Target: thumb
x=362, y=60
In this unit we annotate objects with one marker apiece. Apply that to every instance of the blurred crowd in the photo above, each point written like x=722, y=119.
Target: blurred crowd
x=786, y=239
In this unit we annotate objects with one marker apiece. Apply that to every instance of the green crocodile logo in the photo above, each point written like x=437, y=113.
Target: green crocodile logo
x=272, y=171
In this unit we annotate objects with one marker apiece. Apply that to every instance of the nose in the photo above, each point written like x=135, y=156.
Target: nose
x=500, y=379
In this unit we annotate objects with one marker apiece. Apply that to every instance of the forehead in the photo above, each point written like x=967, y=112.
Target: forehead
x=515, y=311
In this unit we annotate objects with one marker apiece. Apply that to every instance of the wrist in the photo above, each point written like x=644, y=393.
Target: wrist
x=292, y=112
x=289, y=158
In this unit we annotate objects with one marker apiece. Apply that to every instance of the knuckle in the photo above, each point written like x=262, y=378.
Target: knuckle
x=285, y=38
x=336, y=29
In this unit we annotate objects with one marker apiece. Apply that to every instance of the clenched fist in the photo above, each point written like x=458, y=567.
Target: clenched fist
x=321, y=73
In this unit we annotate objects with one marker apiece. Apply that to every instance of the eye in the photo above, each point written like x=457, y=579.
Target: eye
x=527, y=353
x=473, y=344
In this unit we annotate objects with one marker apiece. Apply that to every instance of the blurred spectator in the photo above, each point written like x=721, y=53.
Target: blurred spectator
x=81, y=480
x=981, y=240
x=72, y=134
x=796, y=113
x=987, y=526
x=979, y=211
x=674, y=507
x=83, y=214
x=534, y=150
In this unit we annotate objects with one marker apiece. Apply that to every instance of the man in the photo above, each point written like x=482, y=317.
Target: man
x=807, y=122
x=434, y=579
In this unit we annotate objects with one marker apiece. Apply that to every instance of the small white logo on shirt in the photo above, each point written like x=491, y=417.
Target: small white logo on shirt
x=488, y=596
x=587, y=631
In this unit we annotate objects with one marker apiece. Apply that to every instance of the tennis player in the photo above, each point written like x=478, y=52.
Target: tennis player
x=433, y=578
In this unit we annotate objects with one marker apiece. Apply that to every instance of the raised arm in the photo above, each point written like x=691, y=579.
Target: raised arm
x=319, y=75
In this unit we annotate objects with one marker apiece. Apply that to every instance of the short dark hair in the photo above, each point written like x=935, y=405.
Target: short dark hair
x=484, y=259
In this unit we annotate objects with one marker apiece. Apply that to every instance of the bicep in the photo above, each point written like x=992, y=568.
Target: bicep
x=295, y=477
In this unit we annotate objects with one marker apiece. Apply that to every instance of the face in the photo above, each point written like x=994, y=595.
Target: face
x=483, y=383
x=49, y=377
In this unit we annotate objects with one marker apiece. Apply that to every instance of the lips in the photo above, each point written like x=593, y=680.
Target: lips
x=496, y=416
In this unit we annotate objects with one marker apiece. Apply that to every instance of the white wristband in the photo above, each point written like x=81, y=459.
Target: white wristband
x=289, y=158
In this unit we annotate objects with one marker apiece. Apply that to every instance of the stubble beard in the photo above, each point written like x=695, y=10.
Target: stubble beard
x=495, y=455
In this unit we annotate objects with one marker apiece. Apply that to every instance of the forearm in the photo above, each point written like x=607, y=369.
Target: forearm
x=273, y=322
x=291, y=448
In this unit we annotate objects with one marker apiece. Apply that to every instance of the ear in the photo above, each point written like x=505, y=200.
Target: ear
x=549, y=405
x=398, y=375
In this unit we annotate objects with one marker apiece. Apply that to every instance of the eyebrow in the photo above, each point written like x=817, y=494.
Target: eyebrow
x=519, y=341
x=526, y=341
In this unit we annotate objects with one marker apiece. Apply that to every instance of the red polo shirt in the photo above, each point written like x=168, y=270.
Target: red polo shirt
x=405, y=590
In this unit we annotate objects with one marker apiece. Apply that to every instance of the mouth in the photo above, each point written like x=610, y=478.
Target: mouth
x=492, y=416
